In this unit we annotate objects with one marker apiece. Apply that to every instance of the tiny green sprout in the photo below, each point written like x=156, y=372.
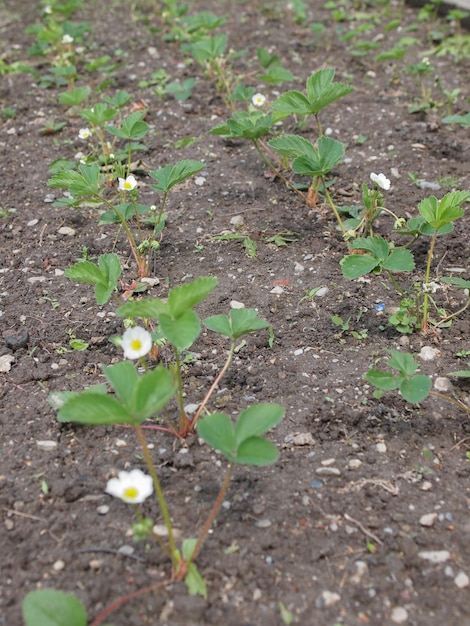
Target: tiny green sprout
x=310, y=294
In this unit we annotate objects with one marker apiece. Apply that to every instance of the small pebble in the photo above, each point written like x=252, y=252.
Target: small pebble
x=298, y=268
x=33, y=222
x=126, y=550
x=103, y=509
x=327, y=599
x=316, y=484
x=381, y=447
x=9, y=524
x=58, y=566
x=328, y=462
x=16, y=339
x=322, y=292
x=328, y=471
x=303, y=439
x=278, y=290
x=435, y=556
x=66, y=230
x=94, y=564
x=428, y=354
x=120, y=443
x=234, y=304
x=399, y=615
x=298, y=352
x=426, y=486
x=5, y=363
x=461, y=580
x=442, y=384
x=237, y=220
x=263, y=523
x=199, y=181
x=428, y=519
x=354, y=464
x=46, y=445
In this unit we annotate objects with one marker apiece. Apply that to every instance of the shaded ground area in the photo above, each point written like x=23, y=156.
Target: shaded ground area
x=365, y=518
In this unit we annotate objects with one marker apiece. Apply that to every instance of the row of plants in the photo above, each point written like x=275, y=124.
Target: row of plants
x=140, y=392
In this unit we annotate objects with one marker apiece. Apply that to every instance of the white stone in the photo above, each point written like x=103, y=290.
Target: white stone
x=354, y=464
x=428, y=519
x=58, y=566
x=399, y=615
x=435, y=556
x=47, y=445
x=327, y=599
x=199, y=181
x=381, y=447
x=33, y=222
x=427, y=353
x=322, y=292
x=5, y=363
x=461, y=580
x=148, y=280
x=277, y=290
x=36, y=279
x=66, y=230
x=237, y=220
x=298, y=352
x=328, y=471
x=298, y=268
x=303, y=439
x=102, y=509
x=234, y=304
x=120, y=443
x=442, y=384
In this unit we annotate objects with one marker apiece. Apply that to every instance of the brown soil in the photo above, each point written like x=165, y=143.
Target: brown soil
x=287, y=533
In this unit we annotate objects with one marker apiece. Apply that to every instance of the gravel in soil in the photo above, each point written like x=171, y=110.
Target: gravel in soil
x=365, y=517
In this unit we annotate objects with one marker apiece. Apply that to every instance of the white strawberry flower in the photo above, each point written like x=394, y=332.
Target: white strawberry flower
x=127, y=184
x=380, y=180
x=67, y=39
x=258, y=100
x=136, y=342
x=84, y=133
x=132, y=487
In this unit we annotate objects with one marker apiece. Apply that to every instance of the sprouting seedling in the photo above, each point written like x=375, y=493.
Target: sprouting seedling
x=321, y=91
x=413, y=387
x=313, y=160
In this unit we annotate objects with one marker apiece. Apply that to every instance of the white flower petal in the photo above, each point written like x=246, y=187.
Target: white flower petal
x=132, y=487
x=136, y=342
x=381, y=180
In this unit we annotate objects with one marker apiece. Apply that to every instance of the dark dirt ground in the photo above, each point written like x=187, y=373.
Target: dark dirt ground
x=288, y=534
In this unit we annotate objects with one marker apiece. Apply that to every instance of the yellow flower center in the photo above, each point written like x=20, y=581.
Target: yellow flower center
x=127, y=185
x=130, y=493
x=136, y=345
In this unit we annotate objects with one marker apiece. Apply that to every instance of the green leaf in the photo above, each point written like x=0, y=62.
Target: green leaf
x=133, y=127
x=153, y=392
x=321, y=91
x=185, y=297
x=403, y=362
x=383, y=380
x=460, y=373
x=48, y=607
x=150, y=308
x=217, y=430
x=399, y=260
x=182, y=331
x=100, y=115
x=239, y=322
x=438, y=213
x=85, y=272
x=463, y=120
x=256, y=420
x=96, y=409
x=123, y=378
x=256, y=451
x=219, y=324
x=292, y=102
x=356, y=265
x=195, y=582
x=416, y=388
x=377, y=245
x=170, y=175
x=276, y=74
x=291, y=146
x=320, y=160
x=458, y=282
x=74, y=97
x=208, y=48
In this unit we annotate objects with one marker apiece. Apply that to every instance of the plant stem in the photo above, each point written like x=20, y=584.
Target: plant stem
x=124, y=224
x=424, y=323
x=212, y=514
x=158, y=490
x=333, y=206
x=183, y=420
x=395, y=284
x=130, y=596
x=457, y=403
x=273, y=168
x=449, y=317
x=214, y=385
